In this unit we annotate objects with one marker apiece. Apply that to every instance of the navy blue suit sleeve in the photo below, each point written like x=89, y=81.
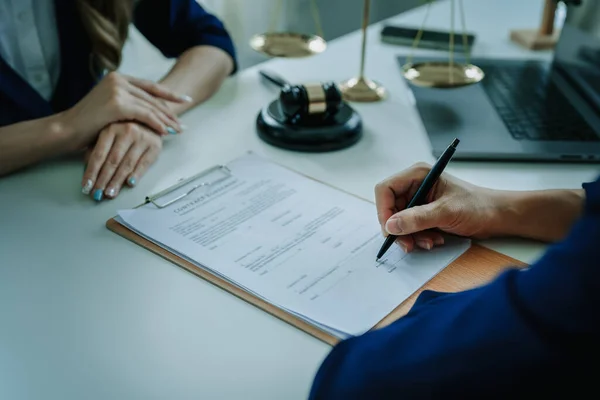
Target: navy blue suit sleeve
x=174, y=26
x=527, y=331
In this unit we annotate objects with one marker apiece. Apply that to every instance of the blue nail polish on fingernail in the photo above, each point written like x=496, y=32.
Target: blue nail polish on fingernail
x=98, y=194
x=171, y=131
x=131, y=181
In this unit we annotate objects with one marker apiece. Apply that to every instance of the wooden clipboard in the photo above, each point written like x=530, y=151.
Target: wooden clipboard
x=475, y=267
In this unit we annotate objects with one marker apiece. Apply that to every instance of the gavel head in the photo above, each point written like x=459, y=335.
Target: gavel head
x=318, y=100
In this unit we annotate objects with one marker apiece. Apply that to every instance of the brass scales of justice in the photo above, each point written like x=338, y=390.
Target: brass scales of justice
x=443, y=74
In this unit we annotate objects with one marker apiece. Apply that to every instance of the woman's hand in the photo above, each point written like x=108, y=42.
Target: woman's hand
x=123, y=153
x=452, y=206
x=120, y=98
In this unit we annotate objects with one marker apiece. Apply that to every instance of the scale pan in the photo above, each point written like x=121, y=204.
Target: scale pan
x=442, y=75
x=287, y=44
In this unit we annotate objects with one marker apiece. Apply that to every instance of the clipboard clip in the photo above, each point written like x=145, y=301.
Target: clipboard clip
x=224, y=171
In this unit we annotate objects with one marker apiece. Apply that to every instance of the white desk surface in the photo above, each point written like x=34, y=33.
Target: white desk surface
x=86, y=314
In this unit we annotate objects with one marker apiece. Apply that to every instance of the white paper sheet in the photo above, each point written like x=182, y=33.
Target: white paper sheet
x=297, y=243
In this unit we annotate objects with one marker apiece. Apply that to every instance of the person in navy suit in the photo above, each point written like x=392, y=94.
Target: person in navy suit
x=528, y=333
x=61, y=92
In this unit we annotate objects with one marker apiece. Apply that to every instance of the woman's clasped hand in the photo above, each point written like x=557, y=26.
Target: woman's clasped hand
x=121, y=122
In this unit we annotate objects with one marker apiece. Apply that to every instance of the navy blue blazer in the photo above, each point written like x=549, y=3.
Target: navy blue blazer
x=173, y=26
x=531, y=332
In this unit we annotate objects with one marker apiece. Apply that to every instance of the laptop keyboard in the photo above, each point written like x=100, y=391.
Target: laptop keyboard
x=531, y=106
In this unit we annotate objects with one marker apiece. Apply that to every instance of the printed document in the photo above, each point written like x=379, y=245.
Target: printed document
x=299, y=244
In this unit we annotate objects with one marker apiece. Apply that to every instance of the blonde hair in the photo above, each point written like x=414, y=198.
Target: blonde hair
x=107, y=24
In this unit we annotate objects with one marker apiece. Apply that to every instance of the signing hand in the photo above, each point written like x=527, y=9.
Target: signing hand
x=119, y=98
x=453, y=206
x=123, y=153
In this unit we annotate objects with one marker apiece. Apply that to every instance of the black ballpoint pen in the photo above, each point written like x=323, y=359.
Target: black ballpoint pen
x=424, y=189
x=274, y=78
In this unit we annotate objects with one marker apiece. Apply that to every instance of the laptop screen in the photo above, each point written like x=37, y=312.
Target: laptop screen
x=577, y=53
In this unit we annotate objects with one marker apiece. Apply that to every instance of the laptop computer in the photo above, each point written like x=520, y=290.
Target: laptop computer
x=523, y=109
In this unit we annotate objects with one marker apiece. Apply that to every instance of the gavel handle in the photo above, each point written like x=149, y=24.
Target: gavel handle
x=274, y=78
